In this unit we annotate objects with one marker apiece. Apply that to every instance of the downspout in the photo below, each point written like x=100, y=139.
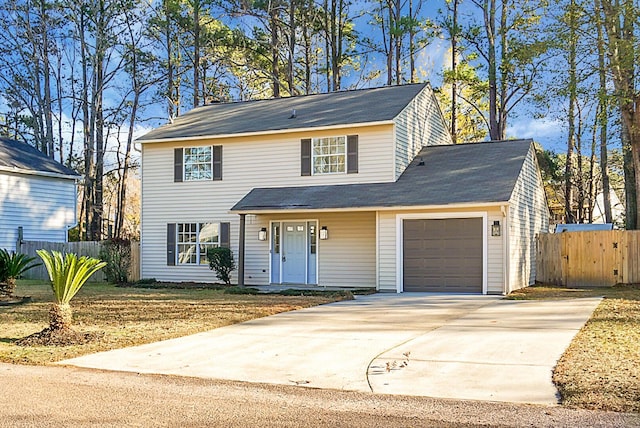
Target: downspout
x=68, y=227
x=241, y=238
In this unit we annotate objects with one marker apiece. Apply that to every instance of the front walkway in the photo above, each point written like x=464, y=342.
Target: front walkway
x=461, y=346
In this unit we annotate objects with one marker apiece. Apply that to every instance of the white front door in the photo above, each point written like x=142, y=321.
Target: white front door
x=294, y=252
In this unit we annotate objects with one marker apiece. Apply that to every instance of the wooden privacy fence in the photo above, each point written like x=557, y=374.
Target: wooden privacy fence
x=86, y=248
x=588, y=259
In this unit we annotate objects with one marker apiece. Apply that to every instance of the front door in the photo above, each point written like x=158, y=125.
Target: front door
x=294, y=252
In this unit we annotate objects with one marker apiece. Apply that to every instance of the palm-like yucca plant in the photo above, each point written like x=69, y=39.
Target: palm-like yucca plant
x=12, y=265
x=68, y=274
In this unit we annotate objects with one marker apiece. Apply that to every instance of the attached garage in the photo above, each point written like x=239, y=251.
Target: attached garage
x=443, y=255
x=460, y=219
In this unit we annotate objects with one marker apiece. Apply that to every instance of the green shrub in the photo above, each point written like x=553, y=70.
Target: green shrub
x=12, y=265
x=68, y=273
x=222, y=263
x=117, y=253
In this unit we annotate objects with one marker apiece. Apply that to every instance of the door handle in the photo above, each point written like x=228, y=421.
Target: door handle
x=284, y=259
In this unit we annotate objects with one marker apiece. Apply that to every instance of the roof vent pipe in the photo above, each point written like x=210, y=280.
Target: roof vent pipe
x=293, y=114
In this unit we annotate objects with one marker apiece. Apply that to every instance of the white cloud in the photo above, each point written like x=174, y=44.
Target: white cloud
x=548, y=132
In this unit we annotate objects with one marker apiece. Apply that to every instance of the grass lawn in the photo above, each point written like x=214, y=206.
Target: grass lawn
x=132, y=316
x=601, y=367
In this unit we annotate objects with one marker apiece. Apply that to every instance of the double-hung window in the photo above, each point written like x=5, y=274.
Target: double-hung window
x=198, y=163
x=193, y=241
x=201, y=163
x=329, y=155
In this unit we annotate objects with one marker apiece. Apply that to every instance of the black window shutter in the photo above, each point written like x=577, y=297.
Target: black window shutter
x=225, y=235
x=217, y=162
x=352, y=154
x=305, y=156
x=177, y=165
x=171, y=244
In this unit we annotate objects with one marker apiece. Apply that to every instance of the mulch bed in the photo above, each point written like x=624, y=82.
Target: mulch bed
x=64, y=337
x=14, y=300
x=175, y=285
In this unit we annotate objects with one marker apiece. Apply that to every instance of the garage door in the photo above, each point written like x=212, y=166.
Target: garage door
x=443, y=255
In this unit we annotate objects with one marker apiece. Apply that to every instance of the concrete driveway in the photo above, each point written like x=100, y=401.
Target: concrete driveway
x=458, y=346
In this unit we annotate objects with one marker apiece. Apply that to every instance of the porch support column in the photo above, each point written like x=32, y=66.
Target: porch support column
x=241, y=250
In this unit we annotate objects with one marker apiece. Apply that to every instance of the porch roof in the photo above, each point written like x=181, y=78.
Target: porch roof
x=459, y=174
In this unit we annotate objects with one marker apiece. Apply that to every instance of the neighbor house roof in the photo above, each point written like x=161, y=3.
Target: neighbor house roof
x=20, y=157
x=291, y=113
x=439, y=175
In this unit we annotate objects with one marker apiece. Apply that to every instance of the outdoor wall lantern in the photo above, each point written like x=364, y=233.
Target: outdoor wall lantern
x=324, y=233
x=262, y=234
x=495, y=228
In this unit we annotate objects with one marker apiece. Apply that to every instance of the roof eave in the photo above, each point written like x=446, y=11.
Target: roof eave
x=47, y=174
x=465, y=205
x=267, y=132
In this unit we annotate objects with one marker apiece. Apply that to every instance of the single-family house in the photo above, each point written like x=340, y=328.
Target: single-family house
x=355, y=188
x=37, y=195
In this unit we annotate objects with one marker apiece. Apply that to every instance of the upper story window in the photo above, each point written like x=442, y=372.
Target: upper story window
x=329, y=155
x=198, y=163
x=193, y=241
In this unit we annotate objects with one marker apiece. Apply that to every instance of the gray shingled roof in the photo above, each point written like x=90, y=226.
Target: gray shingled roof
x=312, y=111
x=451, y=174
x=20, y=155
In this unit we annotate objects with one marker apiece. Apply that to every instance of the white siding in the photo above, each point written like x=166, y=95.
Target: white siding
x=495, y=256
x=347, y=258
x=420, y=124
x=268, y=161
x=528, y=216
x=44, y=207
x=388, y=250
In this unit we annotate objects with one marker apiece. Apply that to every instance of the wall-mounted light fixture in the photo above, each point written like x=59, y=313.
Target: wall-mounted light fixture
x=324, y=233
x=262, y=234
x=495, y=228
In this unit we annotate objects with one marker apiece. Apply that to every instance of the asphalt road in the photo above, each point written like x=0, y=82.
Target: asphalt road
x=71, y=397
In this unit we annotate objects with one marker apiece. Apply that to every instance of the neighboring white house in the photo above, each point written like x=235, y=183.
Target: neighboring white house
x=617, y=209
x=37, y=195
x=355, y=188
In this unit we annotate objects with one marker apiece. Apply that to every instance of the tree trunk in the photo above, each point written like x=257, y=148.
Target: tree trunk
x=603, y=117
x=454, y=67
x=196, y=53
x=629, y=181
x=292, y=48
x=47, y=81
x=390, y=48
x=275, y=71
x=8, y=288
x=592, y=180
x=490, y=25
x=60, y=317
x=398, y=42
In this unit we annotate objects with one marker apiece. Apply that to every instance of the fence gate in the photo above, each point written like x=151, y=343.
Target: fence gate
x=588, y=259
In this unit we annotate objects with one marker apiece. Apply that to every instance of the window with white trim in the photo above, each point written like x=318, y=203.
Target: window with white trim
x=198, y=163
x=193, y=240
x=329, y=155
